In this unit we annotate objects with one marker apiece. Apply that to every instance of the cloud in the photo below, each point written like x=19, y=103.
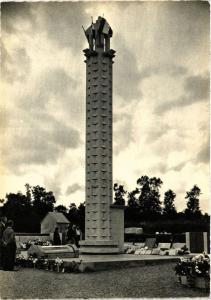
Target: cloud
x=169, y=69
x=123, y=132
x=53, y=84
x=71, y=189
x=12, y=13
x=39, y=144
x=126, y=69
x=15, y=66
x=157, y=132
x=59, y=20
x=51, y=184
x=178, y=167
x=204, y=154
x=196, y=89
x=164, y=168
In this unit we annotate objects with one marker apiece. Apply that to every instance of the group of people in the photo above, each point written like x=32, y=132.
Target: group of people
x=71, y=236
x=7, y=245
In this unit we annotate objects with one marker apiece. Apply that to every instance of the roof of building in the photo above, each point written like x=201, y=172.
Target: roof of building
x=59, y=217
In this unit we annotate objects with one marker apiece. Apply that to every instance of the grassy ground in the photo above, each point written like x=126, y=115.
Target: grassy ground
x=148, y=281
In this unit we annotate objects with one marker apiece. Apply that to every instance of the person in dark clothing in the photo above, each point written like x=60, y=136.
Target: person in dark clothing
x=3, y=222
x=9, y=247
x=56, y=237
x=71, y=234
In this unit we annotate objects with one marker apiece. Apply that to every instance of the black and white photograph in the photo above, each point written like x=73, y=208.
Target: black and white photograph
x=105, y=149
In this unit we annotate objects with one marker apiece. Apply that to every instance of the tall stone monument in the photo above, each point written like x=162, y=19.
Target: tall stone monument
x=104, y=223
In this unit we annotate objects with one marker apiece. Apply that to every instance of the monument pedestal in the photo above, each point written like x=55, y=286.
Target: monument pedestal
x=114, y=246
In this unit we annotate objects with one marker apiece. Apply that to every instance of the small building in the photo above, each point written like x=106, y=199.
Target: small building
x=51, y=221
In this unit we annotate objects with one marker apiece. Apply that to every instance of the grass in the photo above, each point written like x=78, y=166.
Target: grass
x=149, y=281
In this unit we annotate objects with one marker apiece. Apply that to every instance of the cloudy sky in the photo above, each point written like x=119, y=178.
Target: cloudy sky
x=160, y=95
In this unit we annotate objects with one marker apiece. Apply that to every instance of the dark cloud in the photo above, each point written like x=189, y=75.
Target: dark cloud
x=157, y=133
x=62, y=22
x=204, y=154
x=57, y=19
x=169, y=69
x=126, y=73
x=74, y=188
x=53, y=82
x=196, y=89
x=66, y=137
x=179, y=166
x=13, y=12
x=123, y=132
x=163, y=167
x=186, y=26
x=41, y=142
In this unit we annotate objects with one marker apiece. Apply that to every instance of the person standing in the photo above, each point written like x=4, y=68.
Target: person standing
x=3, y=222
x=71, y=234
x=56, y=237
x=9, y=247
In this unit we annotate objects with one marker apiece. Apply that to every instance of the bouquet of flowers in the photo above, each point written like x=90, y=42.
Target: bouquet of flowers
x=20, y=261
x=201, y=265
x=27, y=245
x=197, y=266
x=59, y=264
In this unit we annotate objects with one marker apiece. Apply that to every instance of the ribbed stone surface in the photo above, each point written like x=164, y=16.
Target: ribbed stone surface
x=98, y=145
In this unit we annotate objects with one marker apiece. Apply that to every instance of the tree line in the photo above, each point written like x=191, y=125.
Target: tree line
x=27, y=210
x=143, y=207
x=146, y=197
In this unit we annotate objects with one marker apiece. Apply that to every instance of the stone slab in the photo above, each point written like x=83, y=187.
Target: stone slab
x=65, y=251
x=104, y=262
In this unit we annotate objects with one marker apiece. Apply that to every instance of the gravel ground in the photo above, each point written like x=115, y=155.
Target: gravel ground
x=148, y=281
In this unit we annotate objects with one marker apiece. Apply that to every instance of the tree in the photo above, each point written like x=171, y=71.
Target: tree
x=193, y=201
x=81, y=216
x=132, y=211
x=19, y=209
x=169, y=208
x=28, y=193
x=61, y=208
x=73, y=213
x=119, y=194
x=132, y=200
x=149, y=199
x=43, y=201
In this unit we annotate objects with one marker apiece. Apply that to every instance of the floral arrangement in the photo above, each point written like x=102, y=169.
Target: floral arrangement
x=59, y=264
x=43, y=263
x=197, y=266
x=27, y=245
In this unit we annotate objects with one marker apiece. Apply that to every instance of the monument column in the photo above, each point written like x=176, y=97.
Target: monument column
x=99, y=186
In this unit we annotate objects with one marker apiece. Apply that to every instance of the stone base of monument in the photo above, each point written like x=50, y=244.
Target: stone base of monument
x=116, y=245
x=51, y=252
x=86, y=263
x=98, y=247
